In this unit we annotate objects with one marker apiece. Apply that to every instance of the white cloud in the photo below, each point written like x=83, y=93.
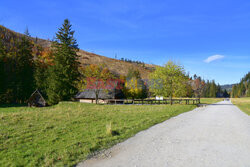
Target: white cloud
x=213, y=58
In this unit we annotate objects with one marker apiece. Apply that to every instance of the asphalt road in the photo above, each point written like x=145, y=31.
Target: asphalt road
x=215, y=136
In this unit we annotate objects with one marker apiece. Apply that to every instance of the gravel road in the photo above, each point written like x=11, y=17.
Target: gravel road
x=214, y=136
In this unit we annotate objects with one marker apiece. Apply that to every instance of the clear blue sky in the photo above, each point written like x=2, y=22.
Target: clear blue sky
x=153, y=31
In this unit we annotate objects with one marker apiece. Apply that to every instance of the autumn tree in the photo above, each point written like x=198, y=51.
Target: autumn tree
x=96, y=78
x=63, y=74
x=190, y=91
x=134, y=85
x=198, y=86
x=169, y=81
x=43, y=61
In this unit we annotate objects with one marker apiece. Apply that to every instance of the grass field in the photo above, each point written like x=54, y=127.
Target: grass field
x=68, y=133
x=210, y=100
x=242, y=103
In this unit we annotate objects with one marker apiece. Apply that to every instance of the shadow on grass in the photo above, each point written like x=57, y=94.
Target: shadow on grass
x=12, y=105
x=215, y=104
x=115, y=133
x=221, y=104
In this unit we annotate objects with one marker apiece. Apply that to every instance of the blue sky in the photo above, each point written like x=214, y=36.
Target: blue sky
x=153, y=31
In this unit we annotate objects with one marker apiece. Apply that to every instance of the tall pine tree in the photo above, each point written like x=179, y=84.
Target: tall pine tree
x=2, y=73
x=24, y=70
x=63, y=74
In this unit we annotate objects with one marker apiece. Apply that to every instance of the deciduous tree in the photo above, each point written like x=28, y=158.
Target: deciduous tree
x=96, y=78
x=135, y=87
x=169, y=81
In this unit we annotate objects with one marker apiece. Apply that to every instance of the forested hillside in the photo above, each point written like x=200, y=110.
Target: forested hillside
x=26, y=64
x=243, y=88
x=42, y=47
x=228, y=87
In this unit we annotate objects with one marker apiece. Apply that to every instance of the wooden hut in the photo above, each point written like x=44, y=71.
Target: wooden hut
x=36, y=100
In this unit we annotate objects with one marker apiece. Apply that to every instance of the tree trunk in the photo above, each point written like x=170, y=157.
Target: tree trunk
x=96, y=98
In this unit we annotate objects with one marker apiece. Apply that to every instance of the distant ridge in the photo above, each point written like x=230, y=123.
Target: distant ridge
x=228, y=87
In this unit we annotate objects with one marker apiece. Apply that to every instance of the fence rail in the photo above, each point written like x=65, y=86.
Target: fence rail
x=152, y=101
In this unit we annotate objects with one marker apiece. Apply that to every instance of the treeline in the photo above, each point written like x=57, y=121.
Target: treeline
x=206, y=88
x=17, y=69
x=243, y=88
x=133, y=61
x=171, y=81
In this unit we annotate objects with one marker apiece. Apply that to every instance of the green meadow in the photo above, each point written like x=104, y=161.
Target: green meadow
x=69, y=132
x=210, y=100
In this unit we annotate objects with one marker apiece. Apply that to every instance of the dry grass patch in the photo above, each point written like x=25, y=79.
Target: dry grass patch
x=210, y=100
x=242, y=103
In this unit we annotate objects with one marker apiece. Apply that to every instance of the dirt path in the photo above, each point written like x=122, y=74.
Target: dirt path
x=215, y=136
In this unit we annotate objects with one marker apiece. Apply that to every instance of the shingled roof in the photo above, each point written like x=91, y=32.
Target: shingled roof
x=103, y=94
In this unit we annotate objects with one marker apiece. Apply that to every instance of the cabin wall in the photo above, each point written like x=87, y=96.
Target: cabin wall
x=86, y=101
x=91, y=101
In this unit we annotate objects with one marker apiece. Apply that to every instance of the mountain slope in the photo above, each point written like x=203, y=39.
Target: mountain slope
x=227, y=87
x=118, y=67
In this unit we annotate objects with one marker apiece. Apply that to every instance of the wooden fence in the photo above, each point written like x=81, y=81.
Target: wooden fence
x=152, y=101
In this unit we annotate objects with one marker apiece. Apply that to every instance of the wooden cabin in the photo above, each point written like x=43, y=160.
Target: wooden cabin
x=36, y=100
x=89, y=96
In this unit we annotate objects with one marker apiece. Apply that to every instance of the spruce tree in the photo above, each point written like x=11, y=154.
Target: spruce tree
x=2, y=73
x=63, y=74
x=24, y=70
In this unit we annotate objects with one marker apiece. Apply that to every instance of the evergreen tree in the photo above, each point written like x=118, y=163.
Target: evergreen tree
x=207, y=89
x=233, y=91
x=24, y=70
x=64, y=74
x=2, y=73
x=212, y=91
x=26, y=32
x=225, y=93
x=41, y=73
x=242, y=89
